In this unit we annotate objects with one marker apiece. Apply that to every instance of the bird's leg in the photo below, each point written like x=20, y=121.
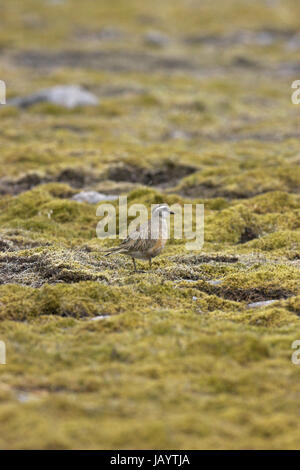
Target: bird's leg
x=150, y=263
x=133, y=260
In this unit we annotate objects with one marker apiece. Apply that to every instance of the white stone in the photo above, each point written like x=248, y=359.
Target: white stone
x=68, y=96
x=93, y=197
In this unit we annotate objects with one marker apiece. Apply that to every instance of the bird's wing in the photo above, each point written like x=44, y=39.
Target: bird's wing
x=139, y=240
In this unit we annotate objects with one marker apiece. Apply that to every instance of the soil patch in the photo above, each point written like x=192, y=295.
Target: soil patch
x=167, y=175
x=255, y=294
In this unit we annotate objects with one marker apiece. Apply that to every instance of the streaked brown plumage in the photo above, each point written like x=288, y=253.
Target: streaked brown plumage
x=148, y=240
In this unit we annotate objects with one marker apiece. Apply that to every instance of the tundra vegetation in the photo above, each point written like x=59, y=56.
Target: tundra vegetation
x=194, y=107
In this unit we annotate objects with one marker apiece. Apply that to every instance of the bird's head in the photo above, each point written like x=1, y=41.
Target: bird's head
x=161, y=211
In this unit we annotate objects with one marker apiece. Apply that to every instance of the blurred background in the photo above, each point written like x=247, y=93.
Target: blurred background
x=171, y=78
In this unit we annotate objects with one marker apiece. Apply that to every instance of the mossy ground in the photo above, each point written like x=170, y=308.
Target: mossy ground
x=177, y=358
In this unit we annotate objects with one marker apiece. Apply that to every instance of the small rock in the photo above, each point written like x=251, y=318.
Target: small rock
x=99, y=317
x=155, y=38
x=68, y=96
x=178, y=134
x=93, y=197
x=23, y=397
x=264, y=303
x=214, y=282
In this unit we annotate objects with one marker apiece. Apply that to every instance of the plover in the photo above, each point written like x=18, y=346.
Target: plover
x=148, y=240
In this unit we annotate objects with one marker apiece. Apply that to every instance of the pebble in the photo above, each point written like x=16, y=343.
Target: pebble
x=264, y=303
x=214, y=282
x=23, y=397
x=100, y=317
x=68, y=96
x=155, y=38
x=93, y=197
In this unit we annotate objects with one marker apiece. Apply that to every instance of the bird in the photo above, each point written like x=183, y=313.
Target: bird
x=148, y=240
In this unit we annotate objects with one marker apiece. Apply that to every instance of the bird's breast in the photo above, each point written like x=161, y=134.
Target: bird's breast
x=157, y=248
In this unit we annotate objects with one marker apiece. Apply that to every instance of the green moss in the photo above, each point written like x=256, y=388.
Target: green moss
x=287, y=242
x=231, y=182
x=267, y=317
x=38, y=212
